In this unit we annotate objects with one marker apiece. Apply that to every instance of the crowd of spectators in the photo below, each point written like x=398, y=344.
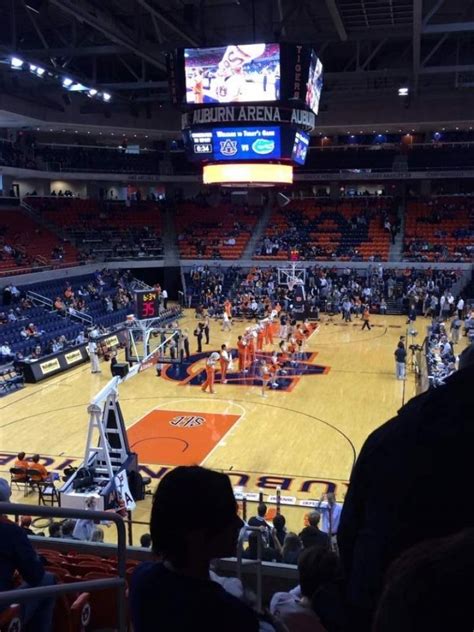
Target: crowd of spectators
x=326, y=289
x=105, y=292
x=351, y=230
x=213, y=231
x=440, y=229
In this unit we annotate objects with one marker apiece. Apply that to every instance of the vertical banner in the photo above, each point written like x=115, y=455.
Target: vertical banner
x=172, y=80
x=295, y=60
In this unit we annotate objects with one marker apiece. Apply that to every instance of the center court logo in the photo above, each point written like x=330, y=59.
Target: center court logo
x=192, y=372
x=187, y=421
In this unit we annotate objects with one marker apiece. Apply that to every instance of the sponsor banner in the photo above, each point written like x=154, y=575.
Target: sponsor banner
x=248, y=114
x=73, y=356
x=297, y=491
x=49, y=366
x=111, y=341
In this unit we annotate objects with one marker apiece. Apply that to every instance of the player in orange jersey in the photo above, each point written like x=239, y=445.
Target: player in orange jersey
x=269, y=332
x=260, y=337
x=242, y=350
x=251, y=339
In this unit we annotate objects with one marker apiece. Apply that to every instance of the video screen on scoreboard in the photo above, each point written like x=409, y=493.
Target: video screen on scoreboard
x=246, y=143
x=235, y=143
x=235, y=73
x=300, y=148
x=315, y=83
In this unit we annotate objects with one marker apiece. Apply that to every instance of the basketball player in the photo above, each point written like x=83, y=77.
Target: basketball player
x=230, y=77
x=260, y=337
x=210, y=372
x=224, y=361
x=198, y=89
x=251, y=339
x=242, y=349
x=269, y=332
x=366, y=318
x=228, y=308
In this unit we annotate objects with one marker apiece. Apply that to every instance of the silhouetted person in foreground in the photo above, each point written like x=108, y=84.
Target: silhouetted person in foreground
x=411, y=482
x=193, y=520
x=430, y=587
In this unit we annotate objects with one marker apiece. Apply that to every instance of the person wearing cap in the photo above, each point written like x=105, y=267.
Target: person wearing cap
x=18, y=556
x=176, y=593
x=210, y=372
x=420, y=458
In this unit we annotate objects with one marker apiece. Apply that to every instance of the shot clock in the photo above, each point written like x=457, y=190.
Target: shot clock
x=147, y=304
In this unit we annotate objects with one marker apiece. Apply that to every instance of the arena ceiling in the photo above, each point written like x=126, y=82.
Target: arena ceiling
x=369, y=47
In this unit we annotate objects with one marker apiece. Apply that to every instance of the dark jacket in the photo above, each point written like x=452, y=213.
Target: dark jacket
x=412, y=481
x=164, y=601
x=312, y=536
x=17, y=554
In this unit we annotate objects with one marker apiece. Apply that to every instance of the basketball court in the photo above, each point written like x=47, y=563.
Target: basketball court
x=303, y=437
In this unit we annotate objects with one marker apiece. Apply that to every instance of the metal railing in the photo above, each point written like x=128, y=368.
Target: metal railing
x=118, y=583
x=35, y=297
x=243, y=535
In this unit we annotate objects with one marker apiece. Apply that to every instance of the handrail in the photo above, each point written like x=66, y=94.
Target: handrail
x=39, y=298
x=14, y=596
x=258, y=562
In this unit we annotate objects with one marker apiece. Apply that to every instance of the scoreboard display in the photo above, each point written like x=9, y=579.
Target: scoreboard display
x=147, y=304
x=247, y=143
x=248, y=105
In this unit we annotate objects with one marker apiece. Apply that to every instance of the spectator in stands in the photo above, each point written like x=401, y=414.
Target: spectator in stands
x=318, y=605
x=422, y=585
x=259, y=521
x=279, y=529
x=6, y=351
x=145, y=541
x=25, y=524
x=54, y=530
x=84, y=528
x=177, y=591
x=268, y=553
x=42, y=472
x=312, y=535
x=68, y=529
x=292, y=548
x=17, y=555
x=97, y=535
x=386, y=513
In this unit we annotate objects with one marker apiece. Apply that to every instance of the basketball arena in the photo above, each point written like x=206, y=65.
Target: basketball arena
x=236, y=239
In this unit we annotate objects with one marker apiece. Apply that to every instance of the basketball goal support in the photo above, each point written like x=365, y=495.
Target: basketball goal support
x=108, y=458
